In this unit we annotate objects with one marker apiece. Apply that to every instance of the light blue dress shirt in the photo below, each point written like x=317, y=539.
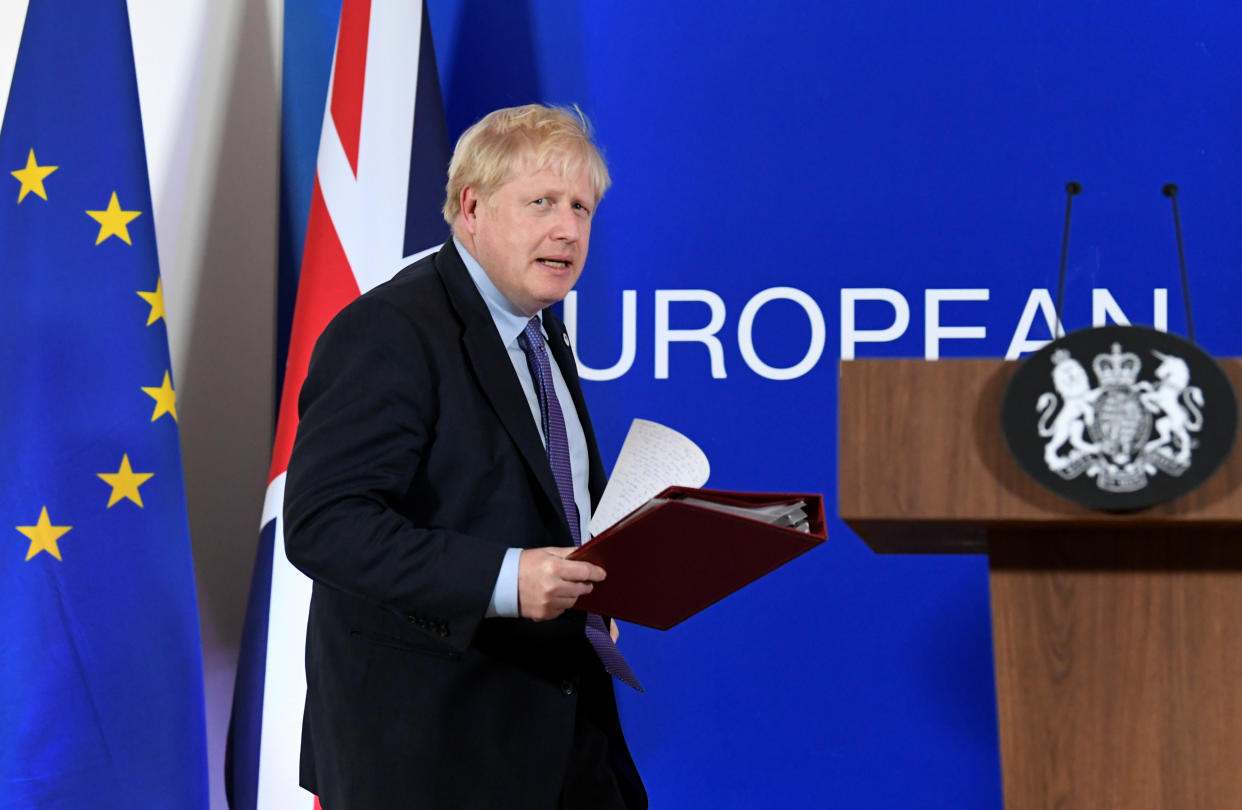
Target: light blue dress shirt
x=510, y=322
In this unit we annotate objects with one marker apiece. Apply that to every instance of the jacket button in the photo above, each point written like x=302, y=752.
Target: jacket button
x=567, y=687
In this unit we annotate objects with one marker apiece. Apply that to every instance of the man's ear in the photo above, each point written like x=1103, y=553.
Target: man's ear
x=469, y=209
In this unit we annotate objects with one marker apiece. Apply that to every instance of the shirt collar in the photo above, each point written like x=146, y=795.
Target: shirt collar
x=509, y=320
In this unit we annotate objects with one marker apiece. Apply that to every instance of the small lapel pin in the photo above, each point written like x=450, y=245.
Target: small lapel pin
x=565, y=335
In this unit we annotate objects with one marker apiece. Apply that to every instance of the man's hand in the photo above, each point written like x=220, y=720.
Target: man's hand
x=549, y=584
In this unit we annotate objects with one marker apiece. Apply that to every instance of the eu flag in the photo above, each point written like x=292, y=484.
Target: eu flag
x=101, y=684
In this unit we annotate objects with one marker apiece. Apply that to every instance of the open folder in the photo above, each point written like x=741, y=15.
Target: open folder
x=687, y=548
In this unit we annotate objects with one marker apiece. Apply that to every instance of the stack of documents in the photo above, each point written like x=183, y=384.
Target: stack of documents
x=792, y=515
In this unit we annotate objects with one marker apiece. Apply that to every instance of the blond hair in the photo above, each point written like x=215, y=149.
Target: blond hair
x=489, y=153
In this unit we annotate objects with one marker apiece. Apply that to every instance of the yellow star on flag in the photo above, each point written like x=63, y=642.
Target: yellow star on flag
x=156, y=300
x=125, y=482
x=32, y=177
x=165, y=399
x=113, y=221
x=43, y=536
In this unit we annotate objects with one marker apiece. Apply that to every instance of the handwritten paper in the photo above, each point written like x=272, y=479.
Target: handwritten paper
x=653, y=457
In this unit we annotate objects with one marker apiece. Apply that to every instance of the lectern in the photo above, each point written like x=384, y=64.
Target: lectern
x=1117, y=638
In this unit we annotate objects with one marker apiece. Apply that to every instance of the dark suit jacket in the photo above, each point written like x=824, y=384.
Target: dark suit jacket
x=416, y=464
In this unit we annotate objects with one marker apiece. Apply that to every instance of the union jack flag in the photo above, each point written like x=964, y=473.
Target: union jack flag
x=374, y=208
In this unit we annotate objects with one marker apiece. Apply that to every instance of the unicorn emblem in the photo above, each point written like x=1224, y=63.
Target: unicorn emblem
x=1176, y=404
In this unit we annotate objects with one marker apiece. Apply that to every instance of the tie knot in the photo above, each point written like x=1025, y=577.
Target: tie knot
x=532, y=335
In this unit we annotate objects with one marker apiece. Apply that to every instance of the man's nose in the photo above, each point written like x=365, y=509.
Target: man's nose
x=567, y=226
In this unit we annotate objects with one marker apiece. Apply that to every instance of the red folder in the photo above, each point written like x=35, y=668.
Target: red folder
x=678, y=558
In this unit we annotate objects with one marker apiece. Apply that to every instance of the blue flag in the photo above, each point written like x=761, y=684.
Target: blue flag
x=101, y=684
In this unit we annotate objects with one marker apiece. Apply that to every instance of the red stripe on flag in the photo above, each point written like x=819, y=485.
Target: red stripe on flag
x=327, y=284
x=349, y=76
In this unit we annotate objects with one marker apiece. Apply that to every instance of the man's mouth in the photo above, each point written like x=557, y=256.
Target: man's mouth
x=555, y=264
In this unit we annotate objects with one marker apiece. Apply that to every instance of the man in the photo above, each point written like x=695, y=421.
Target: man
x=443, y=469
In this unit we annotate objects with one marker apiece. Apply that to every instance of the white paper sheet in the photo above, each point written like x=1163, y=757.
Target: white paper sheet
x=652, y=458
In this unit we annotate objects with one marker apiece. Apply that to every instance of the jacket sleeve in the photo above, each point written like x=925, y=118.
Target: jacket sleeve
x=367, y=412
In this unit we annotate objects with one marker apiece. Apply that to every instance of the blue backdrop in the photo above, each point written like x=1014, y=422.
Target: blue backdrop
x=870, y=160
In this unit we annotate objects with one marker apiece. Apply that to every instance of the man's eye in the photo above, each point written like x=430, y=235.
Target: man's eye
x=582, y=208
x=540, y=201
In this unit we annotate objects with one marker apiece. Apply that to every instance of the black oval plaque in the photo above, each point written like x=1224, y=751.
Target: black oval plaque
x=1120, y=418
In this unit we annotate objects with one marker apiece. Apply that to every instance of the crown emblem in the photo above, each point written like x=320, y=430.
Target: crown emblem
x=1117, y=368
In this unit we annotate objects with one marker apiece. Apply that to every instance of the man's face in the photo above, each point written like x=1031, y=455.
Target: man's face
x=531, y=235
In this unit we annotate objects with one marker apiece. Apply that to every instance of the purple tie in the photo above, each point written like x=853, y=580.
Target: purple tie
x=550, y=414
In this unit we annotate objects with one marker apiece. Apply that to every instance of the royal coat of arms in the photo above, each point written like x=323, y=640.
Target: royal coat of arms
x=1124, y=430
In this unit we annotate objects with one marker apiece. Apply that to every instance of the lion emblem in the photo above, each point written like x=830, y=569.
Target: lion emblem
x=1076, y=415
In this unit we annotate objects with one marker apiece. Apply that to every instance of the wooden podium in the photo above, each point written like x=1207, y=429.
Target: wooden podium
x=1118, y=638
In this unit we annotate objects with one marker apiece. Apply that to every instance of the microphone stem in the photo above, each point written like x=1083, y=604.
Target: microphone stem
x=1071, y=189
x=1181, y=258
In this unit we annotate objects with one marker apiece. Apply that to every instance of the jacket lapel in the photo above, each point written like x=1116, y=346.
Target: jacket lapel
x=492, y=368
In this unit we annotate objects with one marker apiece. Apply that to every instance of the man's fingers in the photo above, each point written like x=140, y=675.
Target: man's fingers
x=570, y=590
x=578, y=571
x=574, y=570
x=549, y=584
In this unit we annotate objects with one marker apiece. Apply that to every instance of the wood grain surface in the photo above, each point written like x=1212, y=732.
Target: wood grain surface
x=920, y=447
x=1119, y=668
